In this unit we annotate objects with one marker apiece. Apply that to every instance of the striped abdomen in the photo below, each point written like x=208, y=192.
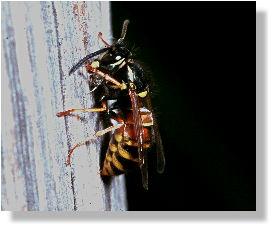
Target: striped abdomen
x=122, y=153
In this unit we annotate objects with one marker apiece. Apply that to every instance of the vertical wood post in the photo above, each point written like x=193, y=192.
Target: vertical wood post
x=41, y=41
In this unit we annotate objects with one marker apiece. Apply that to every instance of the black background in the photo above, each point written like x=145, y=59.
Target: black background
x=202, y=57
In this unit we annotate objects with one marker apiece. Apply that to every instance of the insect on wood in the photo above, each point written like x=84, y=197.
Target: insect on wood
x=125, y=97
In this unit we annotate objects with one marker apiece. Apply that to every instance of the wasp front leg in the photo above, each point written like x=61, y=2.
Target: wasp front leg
x=107, y=77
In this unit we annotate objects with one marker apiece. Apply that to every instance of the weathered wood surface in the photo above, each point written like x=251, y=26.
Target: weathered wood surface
x=40, y=43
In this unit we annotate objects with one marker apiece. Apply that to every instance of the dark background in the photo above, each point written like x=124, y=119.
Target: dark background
x=202, y=57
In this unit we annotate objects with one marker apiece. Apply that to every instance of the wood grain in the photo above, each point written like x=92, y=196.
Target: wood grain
x=40, y=43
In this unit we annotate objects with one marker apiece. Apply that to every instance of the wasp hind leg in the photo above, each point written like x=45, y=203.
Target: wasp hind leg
x=94, y=136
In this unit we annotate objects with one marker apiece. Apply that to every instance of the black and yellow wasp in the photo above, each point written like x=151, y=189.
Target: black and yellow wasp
x=126, y=99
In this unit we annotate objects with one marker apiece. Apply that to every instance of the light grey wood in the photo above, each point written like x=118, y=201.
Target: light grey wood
x=40, y=43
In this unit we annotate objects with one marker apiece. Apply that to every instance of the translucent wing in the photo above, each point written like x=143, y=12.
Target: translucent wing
x=139, y=134
x=157, y=139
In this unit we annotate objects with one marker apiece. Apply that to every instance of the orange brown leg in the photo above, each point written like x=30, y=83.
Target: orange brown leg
x=106, y=77
x=100, y=37
x=96, y=135
x=103, y=108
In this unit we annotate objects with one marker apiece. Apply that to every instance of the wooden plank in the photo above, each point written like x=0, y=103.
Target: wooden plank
x=40, y=43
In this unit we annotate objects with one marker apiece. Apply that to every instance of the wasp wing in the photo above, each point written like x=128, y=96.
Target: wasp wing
x=156, y=138
x=139, y=134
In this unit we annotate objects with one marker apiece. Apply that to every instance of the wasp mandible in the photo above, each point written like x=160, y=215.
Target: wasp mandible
x=126, y=100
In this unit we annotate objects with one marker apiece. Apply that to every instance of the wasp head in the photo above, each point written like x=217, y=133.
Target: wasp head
x=118, y=52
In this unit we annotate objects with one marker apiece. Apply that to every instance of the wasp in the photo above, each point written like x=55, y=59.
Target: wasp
x=126, y=100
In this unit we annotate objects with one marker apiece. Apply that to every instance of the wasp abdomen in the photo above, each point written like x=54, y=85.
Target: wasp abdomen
x=122, y=153
x=120, y=158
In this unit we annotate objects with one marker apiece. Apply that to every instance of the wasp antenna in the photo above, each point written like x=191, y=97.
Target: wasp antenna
x=124, y=29
x=83, y=60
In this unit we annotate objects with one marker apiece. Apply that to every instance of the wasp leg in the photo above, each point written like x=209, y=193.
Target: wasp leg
x=100, y=37
x=96, y=135
x=107, y=77
x=64, y=113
